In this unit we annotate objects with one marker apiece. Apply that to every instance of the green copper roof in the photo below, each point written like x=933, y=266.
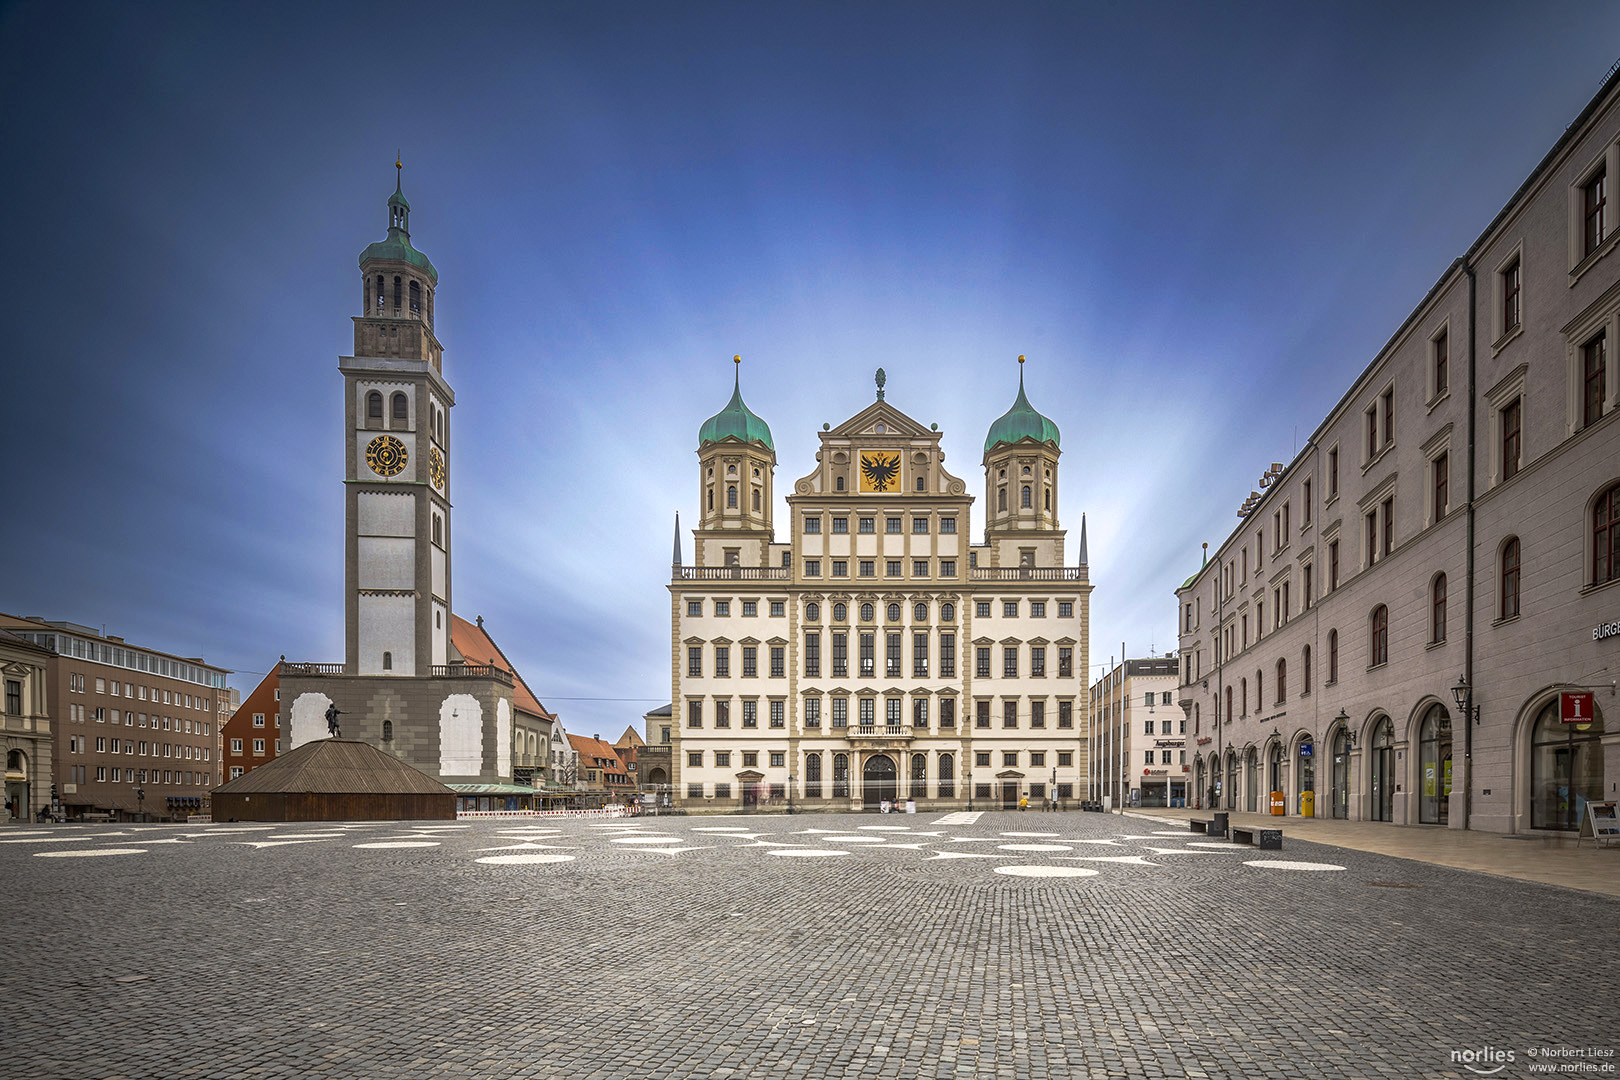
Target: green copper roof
x=397, y=246
x=737, y=422
x=1021, y=422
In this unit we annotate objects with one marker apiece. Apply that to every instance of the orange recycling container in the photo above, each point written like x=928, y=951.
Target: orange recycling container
x=1279, y=804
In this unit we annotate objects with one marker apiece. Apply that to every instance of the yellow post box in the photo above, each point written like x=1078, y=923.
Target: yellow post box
x=1307, y=804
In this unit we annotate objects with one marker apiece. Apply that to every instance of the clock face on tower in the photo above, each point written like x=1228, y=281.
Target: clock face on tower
x=386, y=455
x=880, y=470
x=436, y=467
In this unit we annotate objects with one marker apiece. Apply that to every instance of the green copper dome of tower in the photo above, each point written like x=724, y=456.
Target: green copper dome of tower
x=397, y=247
x=1021, y=422
x=736, y=421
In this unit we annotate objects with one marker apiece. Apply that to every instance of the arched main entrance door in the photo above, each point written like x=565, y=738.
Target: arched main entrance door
x=1229, y=796
x=1251, y=779
x=1341, y=773
x=1434, y=767
x=1200, y=789
x=1566, y=768
x=1381, y=801
x=878, y=781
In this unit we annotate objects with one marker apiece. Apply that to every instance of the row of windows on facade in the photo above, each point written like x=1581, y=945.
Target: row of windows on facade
x=67, y=645
x=840, y=762
x=100, y=714
x=1164, y=757
x=258, y=746
x=379, y=297
x=77, y=684
x=892, y=568
x=920, y=526
x=1379, y=536
x=894, y=711
x=400, y=409
x=1604, y=527
x=893, y=660
x=815, y=789
x=80, y=744
x=117, y=775
x=868, y=612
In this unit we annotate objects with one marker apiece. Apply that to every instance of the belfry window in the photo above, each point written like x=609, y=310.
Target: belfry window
x=402, y=407
x=374, y=406
x=731, y=496
x=398, y=286
x=382, y=285
x=388, y=661
x=1026, y=503
x=416, y=298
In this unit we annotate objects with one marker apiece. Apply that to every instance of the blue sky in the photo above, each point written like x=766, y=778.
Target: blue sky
x=1198, y=221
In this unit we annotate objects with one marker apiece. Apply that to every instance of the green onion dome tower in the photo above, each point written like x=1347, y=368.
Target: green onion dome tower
x=1021, y=454
x=736, y=468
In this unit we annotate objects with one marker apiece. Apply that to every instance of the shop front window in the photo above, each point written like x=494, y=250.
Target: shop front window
x=1566, y=769
x=1434, y=767
x=1341, y=774
x=1382, y=768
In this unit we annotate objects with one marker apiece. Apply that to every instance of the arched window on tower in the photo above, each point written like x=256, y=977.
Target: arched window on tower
x=1048, y=499
x=711, y=498
x=731, y=496
x=756, y=500
x=382, y=285
x=1001, y=498
x=374, y=406
x=1026, y=504
x=388, y=731
x=388, y=661
x=438, y=530
x=399, y=284
x=416, y=298
x=838, y=484
x=402, y=407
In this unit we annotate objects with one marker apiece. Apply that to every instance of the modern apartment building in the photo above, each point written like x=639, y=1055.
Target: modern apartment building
x=1391, y=631
x=1139, y=734
x=136, y=731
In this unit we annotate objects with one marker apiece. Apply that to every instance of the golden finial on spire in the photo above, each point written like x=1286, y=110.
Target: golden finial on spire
x=737, y=359
x=399, y=160
x=1020, y=358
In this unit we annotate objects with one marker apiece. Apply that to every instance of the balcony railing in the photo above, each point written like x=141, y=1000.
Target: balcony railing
x=881, y=731
x=732, y=573
x=288, y=667
x=437, y=671
x=1027, y=573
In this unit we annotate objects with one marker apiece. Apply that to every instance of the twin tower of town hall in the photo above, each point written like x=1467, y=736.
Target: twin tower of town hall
x=877, y=654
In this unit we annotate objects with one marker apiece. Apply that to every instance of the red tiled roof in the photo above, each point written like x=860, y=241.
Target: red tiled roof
x=477, y=647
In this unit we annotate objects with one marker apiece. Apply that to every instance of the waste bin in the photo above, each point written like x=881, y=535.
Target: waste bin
x=1307, y=804
x=1279, y=804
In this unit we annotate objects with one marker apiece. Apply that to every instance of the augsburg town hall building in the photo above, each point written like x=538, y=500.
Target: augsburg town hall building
x=878, y=654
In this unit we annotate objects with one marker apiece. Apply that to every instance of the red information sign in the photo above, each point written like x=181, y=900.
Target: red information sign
x=1575, y=708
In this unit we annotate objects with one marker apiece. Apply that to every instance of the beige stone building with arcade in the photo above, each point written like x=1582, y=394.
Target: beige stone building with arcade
x=1388, y=633
x=877, y=654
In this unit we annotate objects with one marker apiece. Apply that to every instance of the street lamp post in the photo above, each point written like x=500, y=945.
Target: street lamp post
x=790, y=793
x=140, y=802
x=970, y=788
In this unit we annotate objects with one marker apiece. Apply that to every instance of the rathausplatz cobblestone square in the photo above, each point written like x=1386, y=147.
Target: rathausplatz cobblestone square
x=1001, y=945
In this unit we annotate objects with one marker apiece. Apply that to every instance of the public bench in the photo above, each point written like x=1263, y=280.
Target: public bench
x=1215, y=826
x=1264, y=839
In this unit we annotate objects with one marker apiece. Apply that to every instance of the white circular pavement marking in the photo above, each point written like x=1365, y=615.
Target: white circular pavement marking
x=306, y=836
x=400, y=843
x=806, y=853
x=1046, y=871
x=1034, y=847
x=1030, y=834
x=1283, y=864
x=1175, y=832
x=83, y=853
x=721, y=828
x=49, y=839
x=515, y=860
x=885, y=828
x=853, y=839
x=1221, y=845
x=648, y=840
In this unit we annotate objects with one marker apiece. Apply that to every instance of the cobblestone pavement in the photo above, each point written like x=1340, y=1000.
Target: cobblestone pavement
x=1000, y=946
